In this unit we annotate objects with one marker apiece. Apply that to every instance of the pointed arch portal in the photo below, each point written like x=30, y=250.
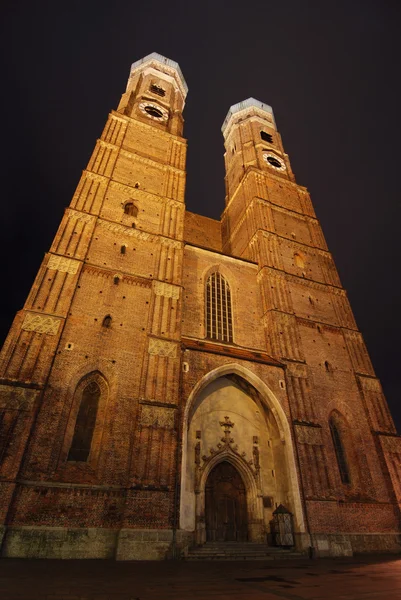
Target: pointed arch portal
x=237, y=457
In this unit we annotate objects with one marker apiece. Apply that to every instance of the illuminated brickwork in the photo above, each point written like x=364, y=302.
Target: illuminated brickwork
x=110, y=353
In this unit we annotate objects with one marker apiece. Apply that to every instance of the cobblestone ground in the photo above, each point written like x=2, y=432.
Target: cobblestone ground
x=367, y=578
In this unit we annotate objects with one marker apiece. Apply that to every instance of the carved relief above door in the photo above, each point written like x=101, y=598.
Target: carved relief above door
x=225, y=509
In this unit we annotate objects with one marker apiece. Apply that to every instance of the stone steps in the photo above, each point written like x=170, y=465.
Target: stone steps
x=240, y=551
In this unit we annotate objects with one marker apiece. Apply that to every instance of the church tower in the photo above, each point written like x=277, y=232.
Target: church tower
x=172, y=379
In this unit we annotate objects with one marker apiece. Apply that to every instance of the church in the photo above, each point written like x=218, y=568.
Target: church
x=173, y=380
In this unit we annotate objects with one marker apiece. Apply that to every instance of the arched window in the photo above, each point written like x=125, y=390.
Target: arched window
x=131, y=209
x=340, y=451
x=219, y=324
x=107, y=321
x=85, y=423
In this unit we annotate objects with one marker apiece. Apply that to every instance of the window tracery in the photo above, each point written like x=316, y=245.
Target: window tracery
x=218, y=309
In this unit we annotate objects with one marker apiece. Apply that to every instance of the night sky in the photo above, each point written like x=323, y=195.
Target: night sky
x=330, y=70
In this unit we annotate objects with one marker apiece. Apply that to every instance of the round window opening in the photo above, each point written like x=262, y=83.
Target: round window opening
x=154, y=112
x=274, y=162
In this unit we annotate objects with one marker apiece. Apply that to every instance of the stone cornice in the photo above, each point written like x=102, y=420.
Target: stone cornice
x=131, y=191
x=221, y=255
x=292, y=243
x=258, y=171
x=102, y=272
x=175, y=138
x=287, y=211
x=138, y=233
x=297, y=279
x=140, y=158
x=78, y=215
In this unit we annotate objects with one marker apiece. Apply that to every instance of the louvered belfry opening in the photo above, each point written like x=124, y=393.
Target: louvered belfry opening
x=219, y=324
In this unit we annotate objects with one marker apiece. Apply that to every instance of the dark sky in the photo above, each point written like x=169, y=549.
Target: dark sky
x=330, y=70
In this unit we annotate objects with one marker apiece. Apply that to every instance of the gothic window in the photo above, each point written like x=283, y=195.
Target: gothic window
x=219, y=324
x=267, y=137
x=123, y=249
x=131, y=209
x=85, y=423
x=107, y=321
x=116, y=279
x=340, y=451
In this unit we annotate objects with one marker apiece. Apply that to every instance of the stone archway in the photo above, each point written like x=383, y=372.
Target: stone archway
x=259, y=427
x=226, y=518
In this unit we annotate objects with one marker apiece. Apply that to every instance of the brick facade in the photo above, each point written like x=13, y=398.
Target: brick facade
x=119, y=304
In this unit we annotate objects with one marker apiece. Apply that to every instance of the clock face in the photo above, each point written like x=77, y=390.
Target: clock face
x=274, y=161
x=153, y=111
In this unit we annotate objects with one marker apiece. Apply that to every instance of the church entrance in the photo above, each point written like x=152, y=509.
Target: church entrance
x=225, y=505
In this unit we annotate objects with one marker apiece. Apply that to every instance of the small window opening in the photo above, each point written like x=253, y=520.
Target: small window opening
x=137, y=185
x=311, y=301
x=123, y=249
x=267, y=137
x=116, y=280
x=107, y=321
x=299, y=260
x=131, y=209
x=327, y=366
x=157, y=89
x=133, y=225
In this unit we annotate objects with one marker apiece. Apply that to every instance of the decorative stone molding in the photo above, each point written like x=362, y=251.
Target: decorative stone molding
x=76, y=215
x=130, y=279
x=297, y=370
x=159, y=347
x=146, y=161
x=155, y=416
x=166, y=289
x=138, y=194
x=370, y=384
x=225, y=447
x=391, y=443
x=312, y=250
x=16, y=398
x=40, y=323
x=119, y=118
x=128, y=231
x=138, y=234
x=107, y=145
x=65, y=265
x=96, y=177
x=147, y=126
x=171, y=243
x=309, y=435
x=296, y=279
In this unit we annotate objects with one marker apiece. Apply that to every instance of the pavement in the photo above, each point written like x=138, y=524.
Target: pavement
x=357, y=578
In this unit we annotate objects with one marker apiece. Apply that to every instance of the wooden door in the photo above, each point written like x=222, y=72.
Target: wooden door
x=226, y=518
